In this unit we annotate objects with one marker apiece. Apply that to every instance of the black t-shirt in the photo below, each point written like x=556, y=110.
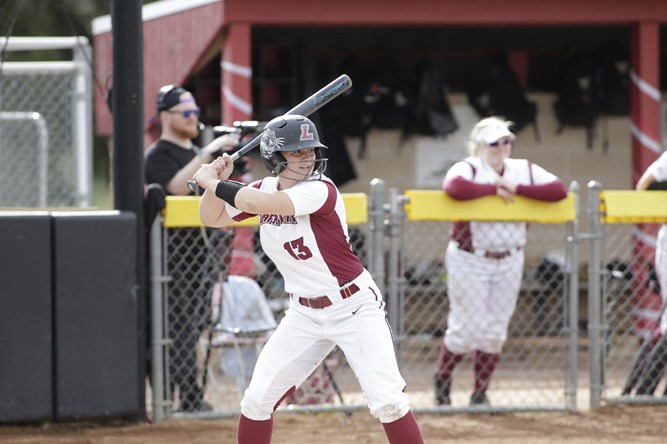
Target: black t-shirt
x=164, y=159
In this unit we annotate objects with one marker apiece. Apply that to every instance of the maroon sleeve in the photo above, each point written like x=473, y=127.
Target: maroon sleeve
x=329, y=204
x=462, y=189
x=550, y=192
x=243, y=216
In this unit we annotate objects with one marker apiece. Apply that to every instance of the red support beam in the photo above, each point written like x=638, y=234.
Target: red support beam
x=236, y=72
x=645, y=97
x=645, y=129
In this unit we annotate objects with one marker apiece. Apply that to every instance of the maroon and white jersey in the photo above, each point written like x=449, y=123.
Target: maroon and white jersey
x=473, y=177
x=310, y=249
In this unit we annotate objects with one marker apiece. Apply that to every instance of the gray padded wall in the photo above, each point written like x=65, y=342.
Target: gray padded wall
x=26, y=383
x=95, y=315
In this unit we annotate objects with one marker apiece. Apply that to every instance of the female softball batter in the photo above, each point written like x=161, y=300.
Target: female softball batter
x=334, y=300
x=484, y=260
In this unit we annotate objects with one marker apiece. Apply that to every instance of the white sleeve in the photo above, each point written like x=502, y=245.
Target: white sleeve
x=658, y=169
x=540, y=175
x=463, y=169
x=308, y=197
x=232, y=211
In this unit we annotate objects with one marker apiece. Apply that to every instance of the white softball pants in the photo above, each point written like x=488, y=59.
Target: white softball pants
x=306, y=335
x=482, y=297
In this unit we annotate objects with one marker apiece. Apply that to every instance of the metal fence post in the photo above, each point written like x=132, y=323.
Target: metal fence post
x=82, y=122
x=376, y=228
x=161, y=403
x=395, y=276
x=572, y=329
x=394, y=264
x=594, y=294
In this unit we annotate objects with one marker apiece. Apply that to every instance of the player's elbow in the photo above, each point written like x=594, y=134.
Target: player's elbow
x=206, y=220
x=212, y=218
x=559, y=192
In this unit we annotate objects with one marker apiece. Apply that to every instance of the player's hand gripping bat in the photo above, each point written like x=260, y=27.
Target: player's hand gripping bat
x=305, y=108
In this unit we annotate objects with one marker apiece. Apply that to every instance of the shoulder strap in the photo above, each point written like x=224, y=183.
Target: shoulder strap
x=530, y=172
x=474, y=170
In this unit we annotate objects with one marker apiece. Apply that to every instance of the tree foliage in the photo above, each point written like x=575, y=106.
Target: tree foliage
x=51, y=18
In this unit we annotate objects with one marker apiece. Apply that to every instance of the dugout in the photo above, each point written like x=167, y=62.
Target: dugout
x=259, y=58
x=253, y=59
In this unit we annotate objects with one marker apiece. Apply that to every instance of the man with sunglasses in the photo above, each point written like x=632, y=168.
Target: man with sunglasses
x=174, y=158
x=170, y=162
x=484, y=260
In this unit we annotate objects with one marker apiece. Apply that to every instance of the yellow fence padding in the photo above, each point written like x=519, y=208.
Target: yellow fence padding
x=356, y=207
x=629, y=206
x=435, y=205
x=183, y=211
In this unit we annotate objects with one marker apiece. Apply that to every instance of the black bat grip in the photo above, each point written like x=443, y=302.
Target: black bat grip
x=192, y=184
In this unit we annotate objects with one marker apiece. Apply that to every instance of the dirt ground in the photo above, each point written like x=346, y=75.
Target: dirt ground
x=623, y=424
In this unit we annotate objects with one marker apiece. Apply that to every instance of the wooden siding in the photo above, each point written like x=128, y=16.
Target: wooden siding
x=173, y=46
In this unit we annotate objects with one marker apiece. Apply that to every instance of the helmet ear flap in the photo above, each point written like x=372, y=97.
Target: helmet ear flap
x=275, y=164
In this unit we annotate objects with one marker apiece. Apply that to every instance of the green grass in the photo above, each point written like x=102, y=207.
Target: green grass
x=102, y=194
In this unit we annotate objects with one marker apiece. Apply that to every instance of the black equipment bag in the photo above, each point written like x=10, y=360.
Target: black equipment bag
x=501, y=94
x=577, y=102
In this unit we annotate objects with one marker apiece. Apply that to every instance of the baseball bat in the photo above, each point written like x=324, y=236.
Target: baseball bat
x=305, y=108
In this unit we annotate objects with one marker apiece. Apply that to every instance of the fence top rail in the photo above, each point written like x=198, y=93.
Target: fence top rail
x=183, y=211
x=15, y=43
x=435, y=205
x=630, y=206
x=63, y=67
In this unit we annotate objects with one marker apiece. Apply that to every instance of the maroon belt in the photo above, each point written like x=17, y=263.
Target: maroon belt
x=500, y=254
x=497, y=254
x=324, y=301
x=492, y=254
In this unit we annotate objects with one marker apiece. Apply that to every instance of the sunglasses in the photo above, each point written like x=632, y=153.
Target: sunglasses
x=187, y=112
x=500, y=142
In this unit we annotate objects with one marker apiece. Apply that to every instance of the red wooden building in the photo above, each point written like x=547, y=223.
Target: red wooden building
x=250, y=59
x=258, y=54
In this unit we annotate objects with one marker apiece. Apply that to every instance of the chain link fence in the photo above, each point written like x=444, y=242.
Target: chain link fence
x=628, y=354
x=537, y=365
x=216, y=298
x=46, y=126
x=534, y=362
x=213, y=342
x=203, y=277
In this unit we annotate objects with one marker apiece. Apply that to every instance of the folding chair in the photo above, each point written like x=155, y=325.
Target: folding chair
x=243, y=323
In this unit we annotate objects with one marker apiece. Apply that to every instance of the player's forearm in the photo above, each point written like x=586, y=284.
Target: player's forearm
x=462, y=189
x=645, y=181
x=212, y=211
x=549, y=192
